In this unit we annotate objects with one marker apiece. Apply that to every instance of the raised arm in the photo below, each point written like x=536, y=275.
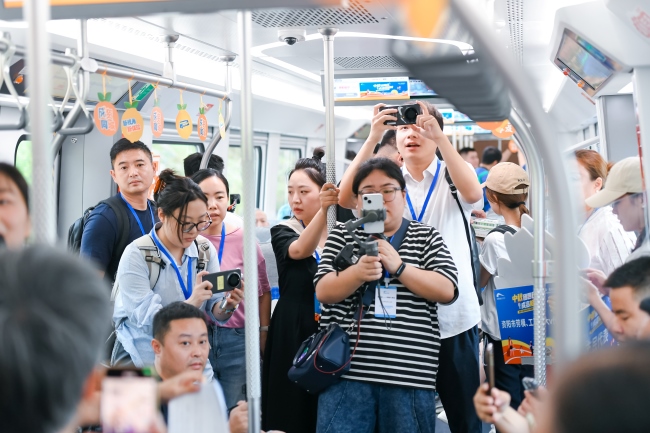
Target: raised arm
x=461, y=173
x=310, y=237
x=377, y=130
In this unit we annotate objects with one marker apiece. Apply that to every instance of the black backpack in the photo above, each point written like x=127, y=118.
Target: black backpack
x=75, y=232
x=474, y=249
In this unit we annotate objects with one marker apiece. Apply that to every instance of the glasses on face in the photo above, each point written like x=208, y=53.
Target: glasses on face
x=200, y=226
x=388, y=193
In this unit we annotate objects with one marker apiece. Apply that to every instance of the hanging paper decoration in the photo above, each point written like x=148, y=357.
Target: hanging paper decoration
x=222, y=122
x=183, y=120
x=425, y=17
x=202, y=122
x=157, y=120
x=132, y=122
x=490, y=126
x=505, y=130
x=105, y=115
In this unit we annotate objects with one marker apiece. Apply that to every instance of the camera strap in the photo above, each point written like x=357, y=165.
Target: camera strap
x=369, y=293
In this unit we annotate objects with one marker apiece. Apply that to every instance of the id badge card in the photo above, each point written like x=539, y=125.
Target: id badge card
x=386, y=302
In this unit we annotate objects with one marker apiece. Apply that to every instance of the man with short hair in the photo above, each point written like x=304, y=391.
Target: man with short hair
x=430, y=201
x=491, y=157
x=103, y=241
x=192, y=163
x=630, y=284
x=54, y=312
x=387, y=148
x=470, y=155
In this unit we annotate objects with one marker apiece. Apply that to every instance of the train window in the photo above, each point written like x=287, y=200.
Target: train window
x=235, y=177
x=23, y=158
x=172, y=154
x=286, y=161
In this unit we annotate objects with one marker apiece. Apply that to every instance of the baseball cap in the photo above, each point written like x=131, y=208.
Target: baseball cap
x=505, y=177
x=623, y=178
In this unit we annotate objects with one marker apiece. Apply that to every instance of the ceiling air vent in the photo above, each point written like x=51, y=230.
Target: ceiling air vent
x=516, y=26
x=368, y=62
x=355, y=13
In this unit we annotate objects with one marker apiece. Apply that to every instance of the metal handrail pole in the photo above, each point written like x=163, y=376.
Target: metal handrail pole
x=538, y=210
x=37, y=14
x=583, y=144
x=568, y=327
x=330, y=126
x=56, y=59
x=253, y=379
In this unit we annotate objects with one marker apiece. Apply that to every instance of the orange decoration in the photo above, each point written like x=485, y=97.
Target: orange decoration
x=424, y=16
x=506, y=130
x=183, y=120
x=490, y=126
x=202, y=127
x=132, y=121
x=106, y=116
x=157, y=121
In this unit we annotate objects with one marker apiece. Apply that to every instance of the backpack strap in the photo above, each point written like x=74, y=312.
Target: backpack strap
x=503, y=229
x=203, y=247
x=123, y=229
x=151, y=256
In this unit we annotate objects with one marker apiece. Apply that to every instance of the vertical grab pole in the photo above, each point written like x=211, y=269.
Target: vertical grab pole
x=330, y=137
x=37, y=14
x=538, y=203
x=253, y=380
x=641, y=79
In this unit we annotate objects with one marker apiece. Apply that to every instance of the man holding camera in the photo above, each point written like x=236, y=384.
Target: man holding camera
x=430, y=201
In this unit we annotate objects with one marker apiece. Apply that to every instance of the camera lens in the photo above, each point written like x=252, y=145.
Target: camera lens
x=410, y=114
x=369, y=201
x=234, y=279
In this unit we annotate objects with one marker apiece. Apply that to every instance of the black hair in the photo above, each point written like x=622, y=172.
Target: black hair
x=389, y=139
x=391, y=170
x=313, y=167
x=174, y=311
x=634, y=274
x=206, y=173
x=490, y=155
x=465, y=150
x=16, y=177
x=192, y=163
x=123, y=145
x=175, y=192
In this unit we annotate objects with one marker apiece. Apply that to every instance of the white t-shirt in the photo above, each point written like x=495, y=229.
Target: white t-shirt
x=443, y=214
x=493, y=248
x=607, y=242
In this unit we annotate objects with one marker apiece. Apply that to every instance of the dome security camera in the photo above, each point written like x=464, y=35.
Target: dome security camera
x=290, y=40
x=291, y=36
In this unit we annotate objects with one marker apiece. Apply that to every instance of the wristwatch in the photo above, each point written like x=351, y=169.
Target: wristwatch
x=399, y=270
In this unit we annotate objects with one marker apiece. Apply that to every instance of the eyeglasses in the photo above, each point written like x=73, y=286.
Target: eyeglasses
x=387, y=193
x=200, y=226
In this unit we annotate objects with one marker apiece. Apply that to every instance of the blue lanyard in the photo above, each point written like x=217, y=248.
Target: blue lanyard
x=587, y=220
x=135, y=215
x=426, y=200
x=187, y=290
x=223, y=241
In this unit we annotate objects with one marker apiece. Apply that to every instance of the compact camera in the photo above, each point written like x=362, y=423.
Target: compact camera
x=224, y=281
x=406, y=114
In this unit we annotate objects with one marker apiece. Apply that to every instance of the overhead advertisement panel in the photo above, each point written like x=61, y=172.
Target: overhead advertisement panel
x=367, y=89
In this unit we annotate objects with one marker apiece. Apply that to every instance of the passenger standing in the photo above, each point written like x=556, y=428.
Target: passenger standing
x=470, y=155
x=228, y=353
x=297, y=244
x=430, y=201
x=183, y=212
x=507, y=191
x=607, y=242
x=491, y=157
x=392, y=379
x=103, y=240
x=15, y=223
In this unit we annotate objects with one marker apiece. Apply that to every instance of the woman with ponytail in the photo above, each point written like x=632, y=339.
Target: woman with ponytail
x=174, y=246
x=506, y=188
x=298, y=244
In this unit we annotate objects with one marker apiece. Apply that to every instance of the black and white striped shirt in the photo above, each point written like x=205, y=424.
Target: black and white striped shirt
x=402, y=351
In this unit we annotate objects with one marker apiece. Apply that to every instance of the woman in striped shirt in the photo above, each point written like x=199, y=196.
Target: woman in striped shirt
x=392, y=379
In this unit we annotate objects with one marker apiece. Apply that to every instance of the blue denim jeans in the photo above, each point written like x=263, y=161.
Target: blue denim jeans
x=228, y=359
x=358, y=407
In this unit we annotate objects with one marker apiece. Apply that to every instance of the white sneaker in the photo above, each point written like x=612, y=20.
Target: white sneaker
x=443, y=417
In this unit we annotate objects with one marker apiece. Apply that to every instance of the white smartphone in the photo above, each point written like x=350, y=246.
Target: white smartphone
x=373, y=202
x=128, y=401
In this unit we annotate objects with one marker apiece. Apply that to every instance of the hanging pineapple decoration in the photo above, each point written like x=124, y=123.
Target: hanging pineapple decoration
x=156, y=120
x=132, y=122
x=105, y=116
x=202, y=122
x=183, y=120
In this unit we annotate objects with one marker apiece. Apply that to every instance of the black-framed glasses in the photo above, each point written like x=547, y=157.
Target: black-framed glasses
x=388, y=193
x=200, y=226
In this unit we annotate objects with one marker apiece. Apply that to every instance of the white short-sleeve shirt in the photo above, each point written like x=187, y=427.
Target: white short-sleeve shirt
x=443, y=214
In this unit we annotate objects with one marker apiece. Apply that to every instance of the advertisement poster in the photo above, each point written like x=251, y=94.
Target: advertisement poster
x=363, y=89
x=516, y=322
x=597, y=335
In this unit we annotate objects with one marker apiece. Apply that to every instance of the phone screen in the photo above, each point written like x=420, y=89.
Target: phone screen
x=490, y=365
x=129, y=402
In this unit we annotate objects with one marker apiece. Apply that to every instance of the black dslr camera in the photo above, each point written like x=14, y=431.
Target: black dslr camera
x=406, y=114
x=224, y=281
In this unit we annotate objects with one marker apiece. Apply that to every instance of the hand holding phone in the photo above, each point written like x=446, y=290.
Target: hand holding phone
x=128, y=401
